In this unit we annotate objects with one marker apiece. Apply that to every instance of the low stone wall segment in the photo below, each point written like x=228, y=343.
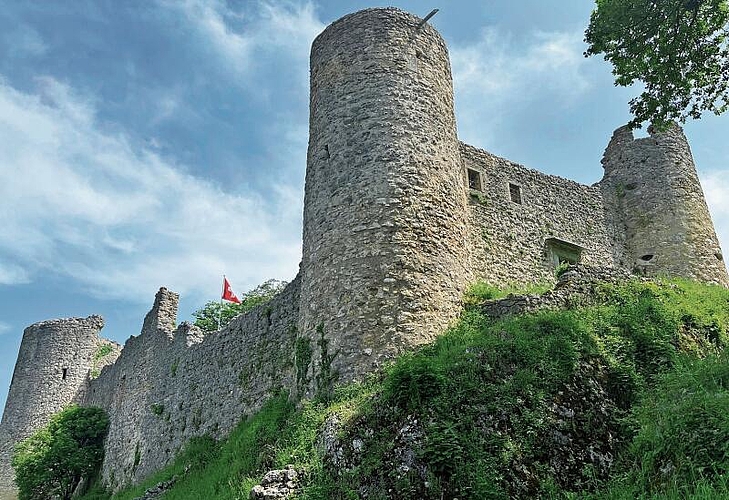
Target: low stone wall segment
x=575, y=287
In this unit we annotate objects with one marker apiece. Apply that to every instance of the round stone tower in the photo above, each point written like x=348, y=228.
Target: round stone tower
x=652, y=186
x=384, y=244
x=51, y=372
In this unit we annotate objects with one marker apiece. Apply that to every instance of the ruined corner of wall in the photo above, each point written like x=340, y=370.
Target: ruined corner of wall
x=163, y=315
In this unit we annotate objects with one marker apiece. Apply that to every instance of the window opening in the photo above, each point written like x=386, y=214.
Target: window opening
x=515, y=193
x=64, y=372
x=562, y=252
x=647, y=257
x=474, y=179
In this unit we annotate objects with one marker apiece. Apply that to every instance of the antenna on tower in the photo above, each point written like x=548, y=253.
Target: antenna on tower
x=426, y=18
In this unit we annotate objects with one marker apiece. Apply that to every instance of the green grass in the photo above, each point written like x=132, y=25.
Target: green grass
x=628, y=399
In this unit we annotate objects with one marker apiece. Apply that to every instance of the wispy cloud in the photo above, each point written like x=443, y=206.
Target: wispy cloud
x=24, y=41
x=716, y=190
x=11, y=274
x=498, y=72
x=4, y=328
x=245, y=37
x=121, y=220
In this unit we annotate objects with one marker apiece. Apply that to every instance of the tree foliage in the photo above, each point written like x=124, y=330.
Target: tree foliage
x=52, y=462
x=206, y=318
x=679, y=50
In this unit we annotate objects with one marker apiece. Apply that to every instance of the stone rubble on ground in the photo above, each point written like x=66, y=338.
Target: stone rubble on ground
x=158, y=490
x=276, y=484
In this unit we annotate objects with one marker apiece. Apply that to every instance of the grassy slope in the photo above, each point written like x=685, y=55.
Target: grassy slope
x=629, y=399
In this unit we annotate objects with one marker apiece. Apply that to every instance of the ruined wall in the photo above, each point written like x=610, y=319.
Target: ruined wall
x=652, y=187
x=515, y=211
x=576, y=287
x=384, y=253
x=52, y=371
x=170, y=384
x=398, y=217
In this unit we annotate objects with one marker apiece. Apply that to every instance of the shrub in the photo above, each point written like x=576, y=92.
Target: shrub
x=53, y=461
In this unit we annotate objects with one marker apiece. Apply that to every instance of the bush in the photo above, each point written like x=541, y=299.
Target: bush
x=53, y=461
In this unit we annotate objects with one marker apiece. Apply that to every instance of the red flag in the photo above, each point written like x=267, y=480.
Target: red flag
x=228, y=292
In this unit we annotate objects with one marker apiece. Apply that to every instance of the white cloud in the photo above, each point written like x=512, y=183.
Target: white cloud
x=497, y=67
x=499, y=72
x=716, y=190
x=123, y=221
x=244, y=38
x=4, y=328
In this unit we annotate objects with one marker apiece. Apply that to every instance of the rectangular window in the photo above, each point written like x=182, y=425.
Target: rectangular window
x=562, y=252
x=515, y=193
x=474, y=180
x=64, y=372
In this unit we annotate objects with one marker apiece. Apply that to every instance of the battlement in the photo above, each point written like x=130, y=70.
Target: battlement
x=399, y=217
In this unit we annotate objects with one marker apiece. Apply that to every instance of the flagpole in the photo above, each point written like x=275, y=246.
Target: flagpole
x=220, y=310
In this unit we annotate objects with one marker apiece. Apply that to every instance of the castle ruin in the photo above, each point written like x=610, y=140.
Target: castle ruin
x=399, y=217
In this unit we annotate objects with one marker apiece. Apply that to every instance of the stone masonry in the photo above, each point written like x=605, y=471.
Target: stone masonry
x=52, y=371
x=384, y=227
x=653, y=192
x=171, y=383
x=399, y=217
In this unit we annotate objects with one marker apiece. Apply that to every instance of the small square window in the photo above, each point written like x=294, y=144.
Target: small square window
x=474, y=179
x=515, y=193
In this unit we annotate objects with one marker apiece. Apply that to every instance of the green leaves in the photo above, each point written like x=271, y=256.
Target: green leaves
x=52, y=462
x=678, y=49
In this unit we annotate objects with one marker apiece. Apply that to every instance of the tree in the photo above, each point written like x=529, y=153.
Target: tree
x=206, y=318
x=679, y=49
x=52, y=462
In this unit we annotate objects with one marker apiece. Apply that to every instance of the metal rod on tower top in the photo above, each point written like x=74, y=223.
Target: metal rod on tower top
x=425, y=19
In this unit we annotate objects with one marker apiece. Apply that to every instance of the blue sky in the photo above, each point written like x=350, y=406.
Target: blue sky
x=162, y=142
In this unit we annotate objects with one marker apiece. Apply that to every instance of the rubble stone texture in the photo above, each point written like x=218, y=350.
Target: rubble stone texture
x=652, y=189
x=51, y=372
x=384, y=210
x=171, y=384
x=399, y=217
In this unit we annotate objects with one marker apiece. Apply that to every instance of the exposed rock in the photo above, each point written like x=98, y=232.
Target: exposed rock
x=158, y=490
x=329, y=442
x=276, y=484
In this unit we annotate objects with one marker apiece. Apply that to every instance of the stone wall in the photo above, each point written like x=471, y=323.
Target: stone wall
x=517, y=213
x=575, y=287
x=51, y=372
x=652, y=187
x=170, y=384
x=384, y=260
x=398, y=217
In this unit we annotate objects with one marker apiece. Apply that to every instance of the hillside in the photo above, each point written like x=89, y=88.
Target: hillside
x=624, y=394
